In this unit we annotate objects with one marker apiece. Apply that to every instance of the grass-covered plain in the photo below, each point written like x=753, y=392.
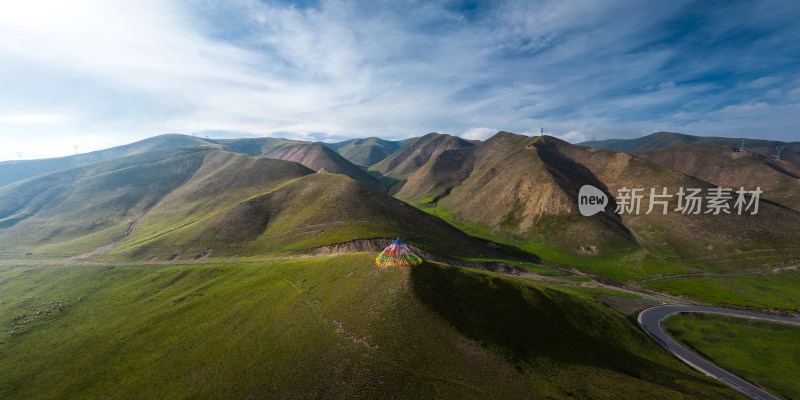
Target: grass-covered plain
x=336, y=327
x=766, y=354
x=777, y=291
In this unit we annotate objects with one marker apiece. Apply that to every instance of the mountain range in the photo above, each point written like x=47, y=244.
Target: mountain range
x=168, y=197
x=182, y=267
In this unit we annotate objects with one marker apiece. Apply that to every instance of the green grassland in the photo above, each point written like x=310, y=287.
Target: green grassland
x=622, y=266
x=766, y=354
x=336, y=327
x=777, y=291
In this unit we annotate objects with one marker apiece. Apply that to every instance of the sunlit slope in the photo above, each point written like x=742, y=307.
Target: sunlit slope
x=330, y=328
x=80, y=209
x=726, y=166
x=12, y=171
x=299, y=215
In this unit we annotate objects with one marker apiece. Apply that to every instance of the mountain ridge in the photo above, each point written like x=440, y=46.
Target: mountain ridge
x=661, y=140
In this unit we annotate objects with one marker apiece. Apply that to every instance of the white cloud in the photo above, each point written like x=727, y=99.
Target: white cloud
x=478, y=133
x=107, y=72
x=31, y=118
x=763, y=82
x=573, y=137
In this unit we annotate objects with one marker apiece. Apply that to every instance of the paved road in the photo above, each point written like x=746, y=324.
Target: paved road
x=650, y=321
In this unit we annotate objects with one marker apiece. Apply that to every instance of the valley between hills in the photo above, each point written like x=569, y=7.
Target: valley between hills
x=181, y=267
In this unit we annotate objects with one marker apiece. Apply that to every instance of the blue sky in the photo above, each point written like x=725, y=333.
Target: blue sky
x=99, y=73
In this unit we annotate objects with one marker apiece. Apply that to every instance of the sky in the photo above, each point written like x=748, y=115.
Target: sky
x=84, y=75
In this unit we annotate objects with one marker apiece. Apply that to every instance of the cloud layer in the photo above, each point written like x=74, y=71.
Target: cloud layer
x=97, y=73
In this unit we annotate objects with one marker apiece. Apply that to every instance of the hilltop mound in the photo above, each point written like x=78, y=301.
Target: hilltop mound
x=298, y=216
x=405, y=161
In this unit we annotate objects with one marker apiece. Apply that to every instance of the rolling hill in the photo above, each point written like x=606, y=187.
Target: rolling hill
x=662, y=140
x=526, y=194
x=726, y=166
x=508, y=190
x=201, y=201
x=313, y=155
x=12, y=171
x=408, y=159
x=369, y=151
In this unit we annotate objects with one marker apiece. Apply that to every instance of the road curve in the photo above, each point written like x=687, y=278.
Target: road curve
x=650, y=321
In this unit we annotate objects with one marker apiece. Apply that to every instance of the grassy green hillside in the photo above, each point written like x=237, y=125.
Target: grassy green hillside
x=366, y=152
x=408, y=159
x=723, y=166
x=329, y=328
x=662, y=140
x=297, y=216
x=12, y=171
x=198, y=202
x=80, y=209
x=766, y=354
x=768, y=290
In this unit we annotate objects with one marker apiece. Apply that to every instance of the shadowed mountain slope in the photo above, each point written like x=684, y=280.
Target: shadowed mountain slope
x=405, y=161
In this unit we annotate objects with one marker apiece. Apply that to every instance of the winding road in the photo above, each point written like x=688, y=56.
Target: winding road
x=650, y=321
